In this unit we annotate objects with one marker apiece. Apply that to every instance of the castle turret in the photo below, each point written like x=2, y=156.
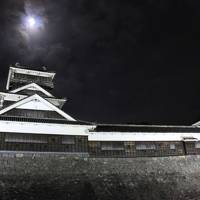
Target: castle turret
x=19, y=76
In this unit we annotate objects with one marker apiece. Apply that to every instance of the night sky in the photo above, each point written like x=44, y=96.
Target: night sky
x=116, y=61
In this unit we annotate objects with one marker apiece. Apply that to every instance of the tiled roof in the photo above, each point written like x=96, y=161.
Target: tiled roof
x=33, y=68
x=145, y=128
x=55, y=121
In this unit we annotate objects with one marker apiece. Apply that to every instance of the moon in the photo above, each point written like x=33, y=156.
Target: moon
x=31, y=26
x=31, y=22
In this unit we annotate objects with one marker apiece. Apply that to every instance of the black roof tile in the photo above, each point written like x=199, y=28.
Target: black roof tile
x=145, y=128
x=55, y=121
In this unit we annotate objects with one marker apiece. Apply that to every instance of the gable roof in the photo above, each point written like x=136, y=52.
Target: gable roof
x=33, y=86
x=145, y=128
x=196, y=124
x=42, y=101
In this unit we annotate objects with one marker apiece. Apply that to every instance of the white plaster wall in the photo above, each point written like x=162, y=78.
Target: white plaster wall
x=139, y=136
x=12, y=97
x=35, y=105
x=43, y=128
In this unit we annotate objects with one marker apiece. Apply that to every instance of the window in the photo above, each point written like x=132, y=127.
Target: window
x=25, y=138
x=52, y=140
x=145, y=146
x=172, y=146
x=112, y=146
x=197, y=145
x=68, y=140
x=1, y=100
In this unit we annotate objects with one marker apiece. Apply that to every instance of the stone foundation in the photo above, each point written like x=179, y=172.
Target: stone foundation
x=76, y=176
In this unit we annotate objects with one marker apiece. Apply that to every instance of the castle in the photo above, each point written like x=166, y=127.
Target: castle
x=32, y=120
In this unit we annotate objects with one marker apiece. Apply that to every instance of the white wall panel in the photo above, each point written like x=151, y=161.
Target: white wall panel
x=43, y=128
x=139, y=136
x=35, y=105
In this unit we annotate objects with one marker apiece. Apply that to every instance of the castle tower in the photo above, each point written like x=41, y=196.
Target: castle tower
x=19, y=76
x=31, y=118
x=22, y=83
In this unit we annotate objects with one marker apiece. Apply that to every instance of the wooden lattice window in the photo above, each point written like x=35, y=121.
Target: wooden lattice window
x=68, y=140
x=145, y=147
x=112, y=146
x=197, y=145
x=25, y=138
x=172, y=146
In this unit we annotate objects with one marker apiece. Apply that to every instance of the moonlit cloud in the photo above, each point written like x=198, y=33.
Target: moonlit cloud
x=32, y=21
x=32, y=24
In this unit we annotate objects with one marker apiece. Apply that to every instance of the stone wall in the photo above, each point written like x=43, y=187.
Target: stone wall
x=76, y=176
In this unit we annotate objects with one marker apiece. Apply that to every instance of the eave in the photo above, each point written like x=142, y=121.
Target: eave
x=17, y=97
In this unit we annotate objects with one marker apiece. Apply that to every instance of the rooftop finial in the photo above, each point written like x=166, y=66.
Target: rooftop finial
x=44, y=68
x=17, y=64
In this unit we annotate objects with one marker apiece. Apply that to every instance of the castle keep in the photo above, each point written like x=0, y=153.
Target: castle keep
x=32, y=120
